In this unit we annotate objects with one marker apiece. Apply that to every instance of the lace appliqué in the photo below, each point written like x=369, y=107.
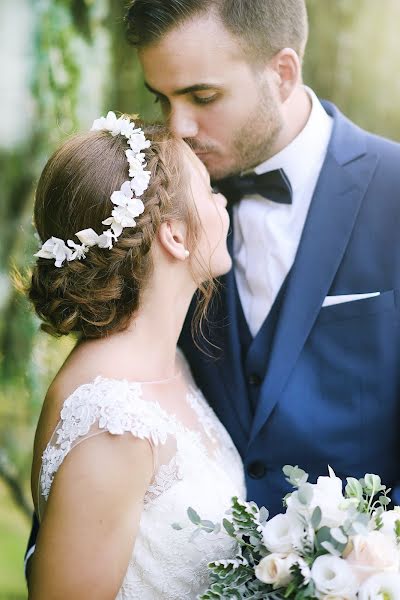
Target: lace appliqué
x=115, y=406
x=166, y=476
x=206, y=417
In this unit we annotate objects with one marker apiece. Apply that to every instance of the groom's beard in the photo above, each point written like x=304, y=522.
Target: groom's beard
x=252, y=143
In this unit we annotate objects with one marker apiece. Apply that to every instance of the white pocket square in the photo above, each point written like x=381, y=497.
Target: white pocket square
x=329, y=300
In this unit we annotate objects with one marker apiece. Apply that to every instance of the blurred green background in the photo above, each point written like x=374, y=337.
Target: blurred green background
x=62, y=64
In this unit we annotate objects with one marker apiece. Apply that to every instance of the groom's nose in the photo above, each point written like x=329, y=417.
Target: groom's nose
x=183, y=123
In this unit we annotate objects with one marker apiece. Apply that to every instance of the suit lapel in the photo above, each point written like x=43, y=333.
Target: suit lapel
x=337, y=199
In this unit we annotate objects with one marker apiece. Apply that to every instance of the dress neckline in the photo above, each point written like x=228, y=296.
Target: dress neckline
x=174, y=377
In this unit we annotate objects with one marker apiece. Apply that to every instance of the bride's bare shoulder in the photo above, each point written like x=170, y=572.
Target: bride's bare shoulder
x=86, y=361
x=89, y=359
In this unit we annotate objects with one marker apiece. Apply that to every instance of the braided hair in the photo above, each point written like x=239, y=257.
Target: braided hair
x=100, y=294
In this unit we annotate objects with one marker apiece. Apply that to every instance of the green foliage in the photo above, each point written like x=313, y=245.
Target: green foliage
x=13, y=538
x=364, y=493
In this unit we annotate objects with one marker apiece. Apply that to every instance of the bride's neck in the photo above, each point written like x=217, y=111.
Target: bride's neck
x=149, y=342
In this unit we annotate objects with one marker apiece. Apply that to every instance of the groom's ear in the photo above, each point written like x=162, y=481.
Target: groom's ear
x=171, y=236
x=286, y=70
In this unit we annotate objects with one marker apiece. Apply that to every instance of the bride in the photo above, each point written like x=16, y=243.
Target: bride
x=125, y=441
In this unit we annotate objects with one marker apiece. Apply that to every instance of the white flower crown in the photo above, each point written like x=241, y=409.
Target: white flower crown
x=127, y=201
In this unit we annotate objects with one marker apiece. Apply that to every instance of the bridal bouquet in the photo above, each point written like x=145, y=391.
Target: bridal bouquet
x=327, y=545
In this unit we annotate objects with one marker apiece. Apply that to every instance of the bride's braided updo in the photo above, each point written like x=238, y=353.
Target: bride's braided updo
x=100, y=294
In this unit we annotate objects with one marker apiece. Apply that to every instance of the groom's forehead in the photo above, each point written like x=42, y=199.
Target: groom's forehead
x=201, y=45
x=178, y=70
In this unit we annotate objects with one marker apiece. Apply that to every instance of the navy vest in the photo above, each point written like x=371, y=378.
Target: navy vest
x=255, y=352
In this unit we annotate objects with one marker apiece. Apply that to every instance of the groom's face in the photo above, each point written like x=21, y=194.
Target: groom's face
x=212, y=96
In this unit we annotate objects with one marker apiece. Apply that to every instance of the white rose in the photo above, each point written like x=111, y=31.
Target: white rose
x=274, y=569
x=282, y=533
x=333, y=577
x=381, y=586
x=389, y=519
x=327, y=494
x=372, y=553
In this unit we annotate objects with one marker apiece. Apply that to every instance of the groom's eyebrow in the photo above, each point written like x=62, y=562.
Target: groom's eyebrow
x=198, y=87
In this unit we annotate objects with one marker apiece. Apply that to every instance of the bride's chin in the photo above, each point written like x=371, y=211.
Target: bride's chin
x=223, y=267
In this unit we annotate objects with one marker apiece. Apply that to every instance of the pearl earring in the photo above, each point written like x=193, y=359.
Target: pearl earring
x=187, y=253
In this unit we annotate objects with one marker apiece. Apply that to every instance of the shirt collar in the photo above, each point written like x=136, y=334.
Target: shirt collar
x=306, y=153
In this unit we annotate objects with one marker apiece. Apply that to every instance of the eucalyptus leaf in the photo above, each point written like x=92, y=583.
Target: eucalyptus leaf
x=207, y=526
x=305, y=493
x=193, y=516
x=372, y=483
x=264, y=514
x=338, y=535
x=331, y=548
x=316, y=517
x=229, y=528
x=353, y=488
x=384, y=500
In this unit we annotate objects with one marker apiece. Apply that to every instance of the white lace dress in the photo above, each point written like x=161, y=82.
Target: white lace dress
x=195, y=464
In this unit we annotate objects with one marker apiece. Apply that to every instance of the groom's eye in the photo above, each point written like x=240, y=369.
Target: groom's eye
x=205, y=99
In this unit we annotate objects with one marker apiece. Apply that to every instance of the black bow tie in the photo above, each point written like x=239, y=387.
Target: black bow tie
x=273, y=185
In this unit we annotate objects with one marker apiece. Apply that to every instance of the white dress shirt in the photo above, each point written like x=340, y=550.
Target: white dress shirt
x=267, y=234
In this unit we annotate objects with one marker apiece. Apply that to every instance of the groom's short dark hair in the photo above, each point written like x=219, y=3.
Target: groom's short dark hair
x=263, y=27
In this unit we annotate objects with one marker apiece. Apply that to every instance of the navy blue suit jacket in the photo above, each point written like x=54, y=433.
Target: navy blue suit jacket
x=331, y=390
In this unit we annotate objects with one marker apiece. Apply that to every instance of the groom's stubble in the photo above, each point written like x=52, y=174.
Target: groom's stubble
x=239, y=130
x=252, y=142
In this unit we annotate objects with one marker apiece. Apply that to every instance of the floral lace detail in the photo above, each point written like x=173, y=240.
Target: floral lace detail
x=166, y=564
x=163, y=480
x=115, y=406
x=207, y=417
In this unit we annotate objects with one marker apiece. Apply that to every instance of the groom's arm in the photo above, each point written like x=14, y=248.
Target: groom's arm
x=31, y=547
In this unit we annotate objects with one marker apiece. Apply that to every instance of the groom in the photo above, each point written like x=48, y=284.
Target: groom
x=308, y=322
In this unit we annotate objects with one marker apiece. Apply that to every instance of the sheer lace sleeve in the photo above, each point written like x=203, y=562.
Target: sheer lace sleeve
x=116, y=407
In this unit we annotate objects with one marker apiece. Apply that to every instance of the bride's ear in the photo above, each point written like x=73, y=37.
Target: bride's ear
x=171, y=237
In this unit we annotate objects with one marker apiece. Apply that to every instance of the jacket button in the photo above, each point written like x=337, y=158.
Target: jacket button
x=256, y=469
x=254, y=379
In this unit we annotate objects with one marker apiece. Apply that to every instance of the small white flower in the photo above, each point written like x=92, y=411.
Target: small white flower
x=327, y=494
x=107, y=123
x=99, y=124
x=140, y=182
x=333, y=577
x=137, y=141
x=382, y=586
x=88, y=237
x=55, y=248
x=122, y=216
x=135, y=207
x=78, y=251
x=106, y=239
x=283, y=533
x=123, y=195
x=135, y=157
x=126, y=127
x=305, y=571
x=135, y=167
x=274, y=569
x=115, y=227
